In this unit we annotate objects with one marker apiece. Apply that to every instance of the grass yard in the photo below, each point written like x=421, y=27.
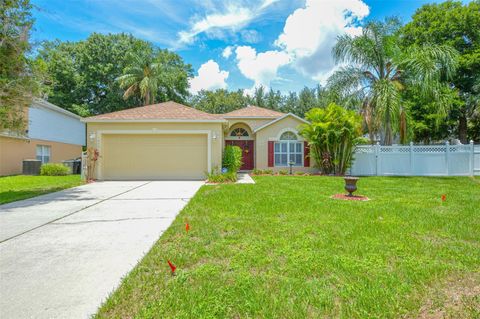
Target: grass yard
x=13, y=188
x=283, y=249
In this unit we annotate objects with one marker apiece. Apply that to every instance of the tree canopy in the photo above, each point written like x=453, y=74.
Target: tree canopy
x=457, y=25
x=219, y=101
x=223, y=101
x=17, y=80
x=378, y=71
x=83, y=75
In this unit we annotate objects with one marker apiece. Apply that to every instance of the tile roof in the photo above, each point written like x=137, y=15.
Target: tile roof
x=254, y=111
x=162, y=111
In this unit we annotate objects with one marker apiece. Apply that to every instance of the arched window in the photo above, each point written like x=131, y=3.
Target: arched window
x=288, y=136
x=239, y=132
x=288, y=150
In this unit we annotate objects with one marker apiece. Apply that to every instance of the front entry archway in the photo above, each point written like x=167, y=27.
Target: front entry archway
x=240, y=135
x=247, y=147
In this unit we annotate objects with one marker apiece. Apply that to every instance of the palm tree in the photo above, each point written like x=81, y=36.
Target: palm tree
x=375, y=71
x=141, y=78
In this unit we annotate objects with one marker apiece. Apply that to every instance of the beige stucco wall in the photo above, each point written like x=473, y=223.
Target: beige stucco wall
x=216, y=130
x=14, y=150
x=253, y=124
x=272, y=133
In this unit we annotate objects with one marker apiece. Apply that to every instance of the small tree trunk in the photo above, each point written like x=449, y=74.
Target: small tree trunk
x=371, y=136
x=147, y=98
x=388, y=129
x=403, y=127
x=367, y=116
x=462, y=129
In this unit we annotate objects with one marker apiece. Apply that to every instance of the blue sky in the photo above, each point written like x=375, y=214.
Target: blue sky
x=282, y=44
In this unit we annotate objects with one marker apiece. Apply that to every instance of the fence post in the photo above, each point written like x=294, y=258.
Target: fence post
x=411, y=159
x=377, y=154
x=83, y=165
x=472, y=158
x=447, y=154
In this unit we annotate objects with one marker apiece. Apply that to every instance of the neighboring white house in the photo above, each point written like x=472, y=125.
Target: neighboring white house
x=53, y=134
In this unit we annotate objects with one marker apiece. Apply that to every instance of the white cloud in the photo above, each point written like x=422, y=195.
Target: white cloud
x=261, y=68
x=227, y=52
x=310, y=33
x=250, y=36
x=209, y=77
x=267, y=3
x=233, y=18
x=305, y=44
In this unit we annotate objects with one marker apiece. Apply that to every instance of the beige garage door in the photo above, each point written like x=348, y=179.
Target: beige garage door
x=154, y=156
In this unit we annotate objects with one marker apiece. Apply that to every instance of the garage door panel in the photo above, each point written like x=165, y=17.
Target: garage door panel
x=154, y=156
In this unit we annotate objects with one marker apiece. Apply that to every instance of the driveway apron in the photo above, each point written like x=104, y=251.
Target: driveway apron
x=61, y=254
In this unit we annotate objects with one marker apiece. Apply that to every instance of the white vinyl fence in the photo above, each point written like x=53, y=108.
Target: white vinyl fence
x=476, y=160
x=419, y=160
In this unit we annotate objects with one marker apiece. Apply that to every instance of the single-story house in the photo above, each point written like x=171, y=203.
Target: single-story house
x=173, y=141
x=52, y=134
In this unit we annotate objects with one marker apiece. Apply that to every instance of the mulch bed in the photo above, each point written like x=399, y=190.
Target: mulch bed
x=346, y=197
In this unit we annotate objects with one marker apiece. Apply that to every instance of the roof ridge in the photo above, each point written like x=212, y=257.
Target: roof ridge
x=163, y=110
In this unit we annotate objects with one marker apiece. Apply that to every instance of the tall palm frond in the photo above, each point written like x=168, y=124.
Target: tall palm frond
x=350, y=81
x=141, y=78
x=378, y=71
x=386, y=94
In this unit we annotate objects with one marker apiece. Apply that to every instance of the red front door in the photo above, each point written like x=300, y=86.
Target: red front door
x=247, y=153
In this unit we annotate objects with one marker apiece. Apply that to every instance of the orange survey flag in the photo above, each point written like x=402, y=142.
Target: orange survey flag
x=444, y=197
x=187, y=227
x=172, y=266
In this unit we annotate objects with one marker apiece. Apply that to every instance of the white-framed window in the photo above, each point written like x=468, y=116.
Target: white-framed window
x=43, y=153
x=288, y=149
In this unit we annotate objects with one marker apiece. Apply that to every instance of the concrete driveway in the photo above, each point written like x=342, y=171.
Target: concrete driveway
x=61, y=254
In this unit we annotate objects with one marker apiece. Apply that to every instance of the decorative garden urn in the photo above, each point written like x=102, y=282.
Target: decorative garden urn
x=350, y=184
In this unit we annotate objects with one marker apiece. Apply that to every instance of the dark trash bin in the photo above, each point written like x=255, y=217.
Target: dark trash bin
x=77, y=166
x=74, y=165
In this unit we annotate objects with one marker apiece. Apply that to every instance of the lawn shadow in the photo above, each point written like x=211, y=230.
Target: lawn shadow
x=34, y=197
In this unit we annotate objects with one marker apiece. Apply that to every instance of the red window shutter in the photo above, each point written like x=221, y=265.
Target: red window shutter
x=270, y=153
x=306, y=154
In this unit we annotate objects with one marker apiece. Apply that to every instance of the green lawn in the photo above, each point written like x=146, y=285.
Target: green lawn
x=13, y=188
x=283, y=249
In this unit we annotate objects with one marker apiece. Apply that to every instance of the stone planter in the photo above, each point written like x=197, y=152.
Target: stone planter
x=350, y=184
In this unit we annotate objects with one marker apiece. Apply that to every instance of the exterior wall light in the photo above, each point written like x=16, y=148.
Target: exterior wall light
x=92, y=136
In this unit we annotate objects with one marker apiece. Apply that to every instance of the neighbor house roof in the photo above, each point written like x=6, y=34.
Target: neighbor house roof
x=167, y=111
x=40, y=103
x=253, y=112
